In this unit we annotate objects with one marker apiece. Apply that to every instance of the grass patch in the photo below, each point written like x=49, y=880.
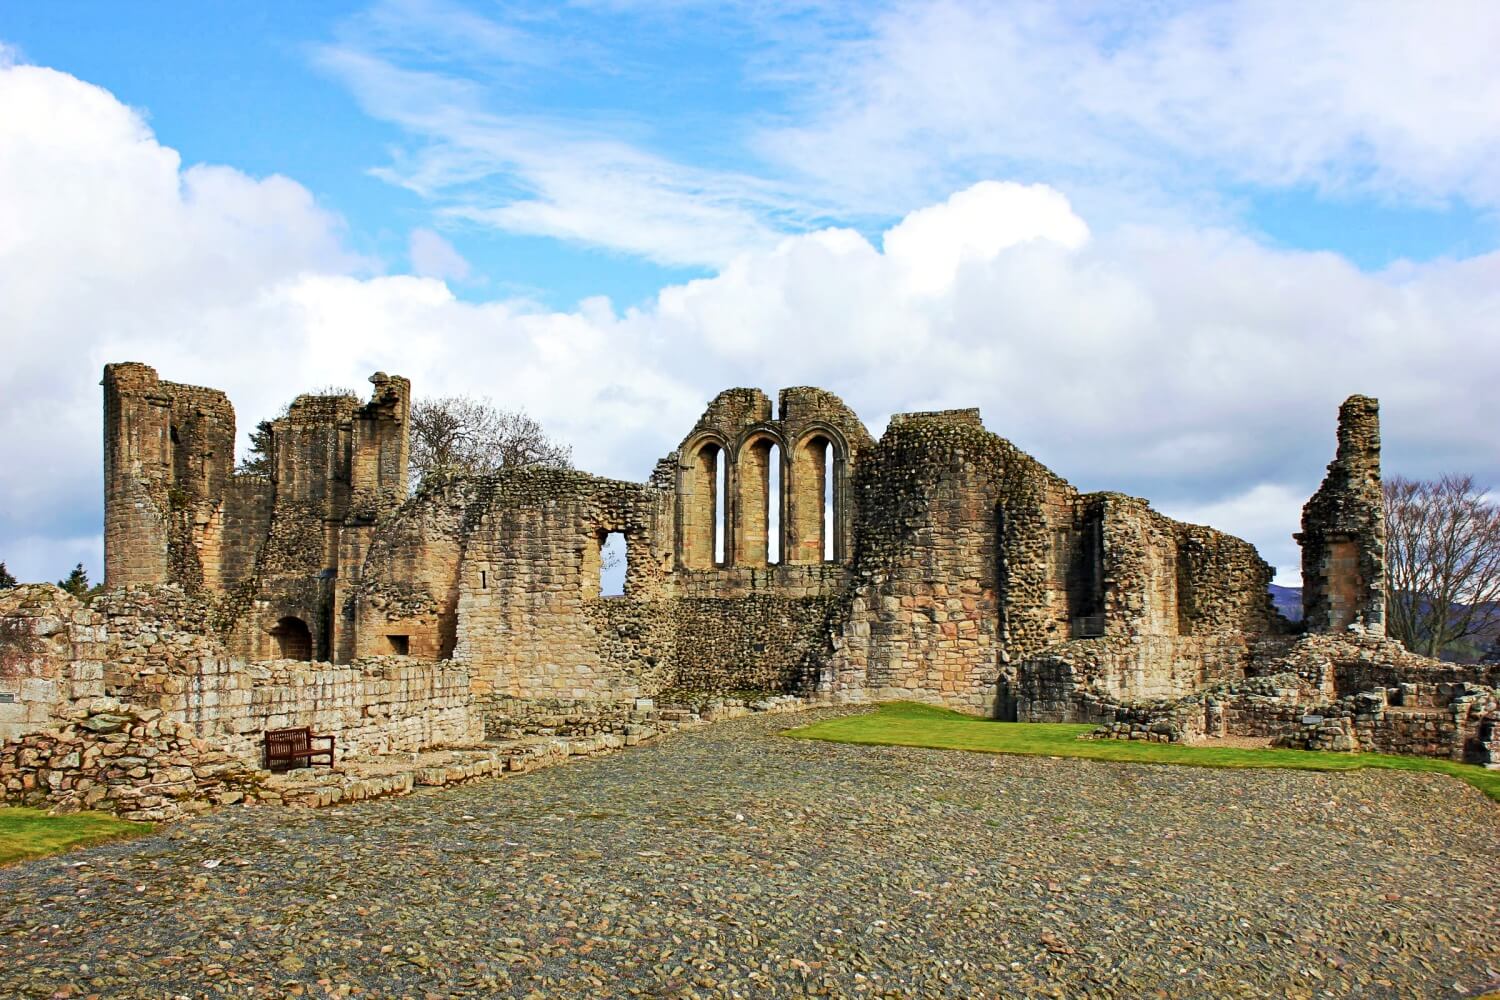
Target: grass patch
x=31, y=833
x=908, y=724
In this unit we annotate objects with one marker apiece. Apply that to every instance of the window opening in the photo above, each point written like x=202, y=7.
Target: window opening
x=293, y=639
x=773, y=507
x=720, y=474
x=827, y=502
x=613, y=559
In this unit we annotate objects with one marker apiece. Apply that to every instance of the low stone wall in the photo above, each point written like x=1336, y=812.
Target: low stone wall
x=1086, y=680
x=143, y=667
x=512, y=718
x=1365, y=722
x=1354, y=661
x=373, y=706
x=125, y=759
x=1172, y=722
x=1285, y=709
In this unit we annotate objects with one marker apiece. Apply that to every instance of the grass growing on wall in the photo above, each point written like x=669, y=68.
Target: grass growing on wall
x=908, y=724
x=31, y=833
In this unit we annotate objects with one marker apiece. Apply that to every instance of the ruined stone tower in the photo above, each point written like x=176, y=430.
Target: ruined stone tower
x=168, y=457
x=265, y=552
x=1343, y=530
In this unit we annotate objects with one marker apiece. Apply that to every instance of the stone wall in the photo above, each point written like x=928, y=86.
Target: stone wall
x=758, y=645
x=1343, y=530
x=1067, y=682
x=51, y=651
x=1339, y=665
x=122, y=758
x=779, y=549
x=951, y=566
x=1356, y=692
x=142, y=675
x=259, y=548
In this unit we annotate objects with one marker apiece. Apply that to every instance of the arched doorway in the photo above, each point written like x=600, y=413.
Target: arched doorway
x=293, y=639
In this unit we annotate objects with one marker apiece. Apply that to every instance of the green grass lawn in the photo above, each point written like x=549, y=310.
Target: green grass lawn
x=907, y=724
x=31, y=833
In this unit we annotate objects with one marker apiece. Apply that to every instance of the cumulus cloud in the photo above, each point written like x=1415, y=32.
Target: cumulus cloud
x=977, y=224
x=1188, y=365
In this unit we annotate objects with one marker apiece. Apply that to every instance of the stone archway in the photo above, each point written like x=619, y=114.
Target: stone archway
x=293, y=639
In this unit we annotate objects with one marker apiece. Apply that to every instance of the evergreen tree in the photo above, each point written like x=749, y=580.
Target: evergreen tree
x=6, y=580
x=77, y=583
x=259, y=459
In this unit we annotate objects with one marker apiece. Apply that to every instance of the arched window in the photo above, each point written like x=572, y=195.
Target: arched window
x=829, y=533
x=812, y=528
x=700, y=501
x=774, y=506
x=721, y=490
x=293, y=639
x=758, y=512
x=614, y=559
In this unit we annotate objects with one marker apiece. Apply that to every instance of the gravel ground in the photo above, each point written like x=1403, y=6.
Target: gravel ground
x=729, y=862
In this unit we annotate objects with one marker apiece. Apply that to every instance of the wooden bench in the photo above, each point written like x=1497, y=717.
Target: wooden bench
x=289, y=748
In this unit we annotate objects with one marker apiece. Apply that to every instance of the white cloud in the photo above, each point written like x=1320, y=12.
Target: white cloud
x=1188, y=365
x=432, y=256
x=976, y=225
x=1358, y=96
x=1173, y=113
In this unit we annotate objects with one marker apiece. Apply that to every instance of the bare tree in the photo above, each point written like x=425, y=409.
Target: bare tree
x=461, y=435
x=1442, y=561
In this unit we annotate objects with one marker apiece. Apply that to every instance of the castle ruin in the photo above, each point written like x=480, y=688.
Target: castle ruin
x=939, y=563
x=779, y=551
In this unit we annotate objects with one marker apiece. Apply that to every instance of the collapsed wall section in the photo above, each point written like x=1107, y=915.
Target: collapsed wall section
x=1177, y=604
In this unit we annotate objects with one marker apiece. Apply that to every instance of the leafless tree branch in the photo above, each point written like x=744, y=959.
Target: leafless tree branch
x=462, y=435
x=1442, y=561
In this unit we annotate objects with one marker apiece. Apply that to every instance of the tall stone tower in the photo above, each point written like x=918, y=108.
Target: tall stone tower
x=1343, y=530
x=168, y=456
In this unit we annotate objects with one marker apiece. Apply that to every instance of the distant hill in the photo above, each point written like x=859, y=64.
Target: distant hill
x=1288, y=601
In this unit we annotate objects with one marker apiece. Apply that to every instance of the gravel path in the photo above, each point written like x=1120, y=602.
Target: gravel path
x=729, y=862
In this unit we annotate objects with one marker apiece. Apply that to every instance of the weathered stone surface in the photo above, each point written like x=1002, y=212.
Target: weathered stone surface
x=732, y=862
x=1343, y=530
x=939, y=563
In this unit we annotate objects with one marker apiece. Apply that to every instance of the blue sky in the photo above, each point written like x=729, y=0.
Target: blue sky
x=1188, y=231
x=255, y=86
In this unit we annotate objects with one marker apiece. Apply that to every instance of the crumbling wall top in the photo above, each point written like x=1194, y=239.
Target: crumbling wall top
x=968, y=417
